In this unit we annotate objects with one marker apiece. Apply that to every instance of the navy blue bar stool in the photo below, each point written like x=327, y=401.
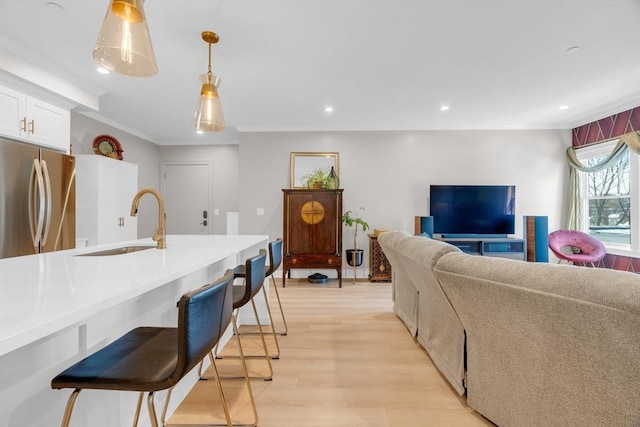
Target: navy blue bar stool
x=275, y=259
x=254, y=275
x=151, y=359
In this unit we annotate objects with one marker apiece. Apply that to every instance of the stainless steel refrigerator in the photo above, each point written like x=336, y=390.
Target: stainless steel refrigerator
x=37, y=200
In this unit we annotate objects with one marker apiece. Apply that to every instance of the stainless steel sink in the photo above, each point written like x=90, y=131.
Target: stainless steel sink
x=118, y=251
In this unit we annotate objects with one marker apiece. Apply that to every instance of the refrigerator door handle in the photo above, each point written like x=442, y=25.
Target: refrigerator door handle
x=36, y=180
x=48, y=196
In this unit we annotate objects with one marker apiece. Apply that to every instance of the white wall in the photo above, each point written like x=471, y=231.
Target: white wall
x=389, y=173
x=136, y=150
x=225, y=176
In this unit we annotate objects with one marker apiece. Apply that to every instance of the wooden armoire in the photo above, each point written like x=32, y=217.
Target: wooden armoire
x=312, y=230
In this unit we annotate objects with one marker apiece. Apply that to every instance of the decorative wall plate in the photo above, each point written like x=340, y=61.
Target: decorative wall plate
x=108, y=146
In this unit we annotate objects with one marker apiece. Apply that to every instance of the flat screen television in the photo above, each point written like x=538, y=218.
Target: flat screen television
x=473, y=209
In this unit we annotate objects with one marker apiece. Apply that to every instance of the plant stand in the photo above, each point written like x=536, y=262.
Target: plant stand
x=355, y=258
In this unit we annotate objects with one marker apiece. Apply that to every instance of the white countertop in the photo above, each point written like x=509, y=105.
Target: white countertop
x=43, y=294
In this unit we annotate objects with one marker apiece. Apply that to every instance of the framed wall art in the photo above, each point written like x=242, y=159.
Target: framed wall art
x=304, y=163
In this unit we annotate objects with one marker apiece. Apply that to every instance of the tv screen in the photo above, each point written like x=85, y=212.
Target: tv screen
x=473, y=209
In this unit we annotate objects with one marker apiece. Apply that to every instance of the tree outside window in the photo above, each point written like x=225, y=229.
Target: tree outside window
x=608, y=201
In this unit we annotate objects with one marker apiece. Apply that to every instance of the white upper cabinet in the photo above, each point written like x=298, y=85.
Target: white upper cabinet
x=13, y=105
x=33, y=120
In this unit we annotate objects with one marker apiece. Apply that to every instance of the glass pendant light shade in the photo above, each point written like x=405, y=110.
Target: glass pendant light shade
x=208, y=116
x=124, y=45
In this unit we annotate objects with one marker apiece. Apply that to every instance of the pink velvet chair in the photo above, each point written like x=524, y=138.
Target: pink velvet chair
x=589, y=249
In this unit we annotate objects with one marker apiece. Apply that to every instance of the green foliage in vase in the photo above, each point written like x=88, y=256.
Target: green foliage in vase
x=317, y=178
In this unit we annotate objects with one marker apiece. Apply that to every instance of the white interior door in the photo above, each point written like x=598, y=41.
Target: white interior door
x=186, y=187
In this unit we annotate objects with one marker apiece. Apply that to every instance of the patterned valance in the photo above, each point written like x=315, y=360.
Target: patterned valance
x=608, y=128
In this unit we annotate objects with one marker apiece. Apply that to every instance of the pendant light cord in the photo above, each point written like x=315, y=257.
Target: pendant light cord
x=209, y=73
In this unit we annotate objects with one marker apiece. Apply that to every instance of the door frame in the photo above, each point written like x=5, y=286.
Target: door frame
x=209, y=164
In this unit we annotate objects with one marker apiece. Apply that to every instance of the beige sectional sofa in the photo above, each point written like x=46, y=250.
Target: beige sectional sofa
x=531, y=344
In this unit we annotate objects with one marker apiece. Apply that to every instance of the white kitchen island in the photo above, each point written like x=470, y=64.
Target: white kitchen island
x=57, y=308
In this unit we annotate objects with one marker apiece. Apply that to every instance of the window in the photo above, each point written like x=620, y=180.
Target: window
x=611, y=197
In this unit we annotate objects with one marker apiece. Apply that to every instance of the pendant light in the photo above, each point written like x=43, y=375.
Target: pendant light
x=208, y=116
x=124, y=44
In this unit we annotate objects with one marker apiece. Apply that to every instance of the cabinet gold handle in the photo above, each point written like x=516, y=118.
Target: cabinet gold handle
x=24, y=124
x=32, y=126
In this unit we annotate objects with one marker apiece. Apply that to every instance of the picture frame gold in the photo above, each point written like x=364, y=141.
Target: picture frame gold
x=302, y=163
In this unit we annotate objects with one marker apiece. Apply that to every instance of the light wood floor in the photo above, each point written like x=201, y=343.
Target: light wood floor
x=347, y=361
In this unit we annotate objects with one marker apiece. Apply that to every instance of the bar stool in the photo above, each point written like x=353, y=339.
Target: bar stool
x=254, y=268
x=151, y=359
x=275, y=259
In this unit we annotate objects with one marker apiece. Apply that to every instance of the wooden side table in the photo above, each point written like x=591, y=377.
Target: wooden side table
x=379, y=266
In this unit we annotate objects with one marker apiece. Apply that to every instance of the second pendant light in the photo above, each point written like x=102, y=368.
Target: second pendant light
x=208, y=116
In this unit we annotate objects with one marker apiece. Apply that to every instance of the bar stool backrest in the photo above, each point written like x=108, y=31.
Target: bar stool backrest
x=255, y=274
x=203, y=316
x=275, y=256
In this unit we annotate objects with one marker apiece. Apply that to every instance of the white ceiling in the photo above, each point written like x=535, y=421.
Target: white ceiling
x=382, y=65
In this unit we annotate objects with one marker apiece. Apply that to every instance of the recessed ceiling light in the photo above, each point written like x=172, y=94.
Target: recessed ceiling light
x=199, y=132
x=444, y=108
x=102, y=70
x=564, y=107
x=54, y=6
x=328, y=109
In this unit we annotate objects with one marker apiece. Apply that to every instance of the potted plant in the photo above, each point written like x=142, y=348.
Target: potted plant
x=355, y=255
x=317, y=178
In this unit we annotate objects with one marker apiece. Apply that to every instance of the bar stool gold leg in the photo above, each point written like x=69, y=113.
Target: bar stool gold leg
x=138, y=406
x=273, y=326
x=245, y=377
x=260, y=332
x=221, y=393
x=264, y=343
x=284, y=320
x=70, y=402
x=152, y=410
x=246, y=373
x=163, y=418
x=223, y=400
x=268, y=377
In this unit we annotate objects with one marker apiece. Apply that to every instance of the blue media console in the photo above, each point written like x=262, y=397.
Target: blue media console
x=504, y=247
